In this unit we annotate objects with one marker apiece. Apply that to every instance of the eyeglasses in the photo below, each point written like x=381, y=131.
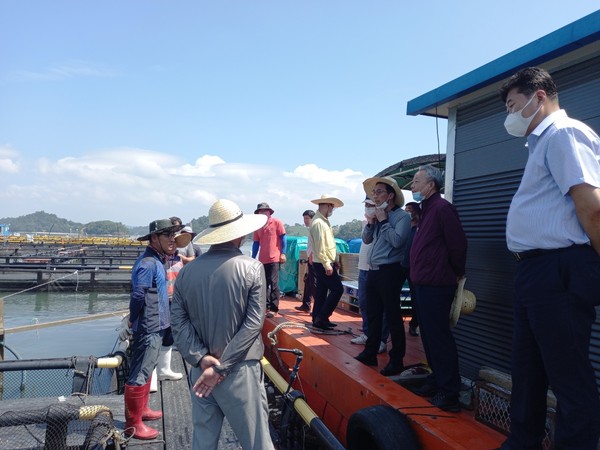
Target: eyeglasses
x=379, y=191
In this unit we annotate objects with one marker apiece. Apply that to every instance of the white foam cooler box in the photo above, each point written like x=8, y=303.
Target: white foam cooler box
x=349, y=300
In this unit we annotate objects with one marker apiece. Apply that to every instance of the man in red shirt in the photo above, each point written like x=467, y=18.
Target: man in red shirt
x=272, y=243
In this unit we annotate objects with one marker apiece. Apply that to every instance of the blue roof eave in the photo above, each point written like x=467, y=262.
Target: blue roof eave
x=558, y=43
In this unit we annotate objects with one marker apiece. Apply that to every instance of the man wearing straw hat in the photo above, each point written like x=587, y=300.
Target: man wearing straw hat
x=149, y=320
x=217, y=315
x=438, y=257
x=388, y=230
x=324, y=257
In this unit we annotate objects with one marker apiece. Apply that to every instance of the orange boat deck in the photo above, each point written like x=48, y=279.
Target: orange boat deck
x=336, y=385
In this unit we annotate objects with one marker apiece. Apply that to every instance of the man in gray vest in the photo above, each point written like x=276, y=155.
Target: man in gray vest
x=217, y=314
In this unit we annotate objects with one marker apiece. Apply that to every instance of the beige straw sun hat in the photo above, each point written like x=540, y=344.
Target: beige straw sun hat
x=328, y=199
x=464, y=302
x=226, y=222
x=184, y=237
x=370, y=183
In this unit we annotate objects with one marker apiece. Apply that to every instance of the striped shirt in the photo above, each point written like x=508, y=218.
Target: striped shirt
x=563, y=153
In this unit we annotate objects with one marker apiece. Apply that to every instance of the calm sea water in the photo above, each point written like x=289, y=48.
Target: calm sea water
x=94, y=337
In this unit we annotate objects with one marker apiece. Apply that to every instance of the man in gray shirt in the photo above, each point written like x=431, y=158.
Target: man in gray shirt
x=217, y=315
x=388, y=231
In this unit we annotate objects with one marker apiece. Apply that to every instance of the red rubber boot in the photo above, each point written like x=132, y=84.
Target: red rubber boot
x=136, y=398
x=147, y=413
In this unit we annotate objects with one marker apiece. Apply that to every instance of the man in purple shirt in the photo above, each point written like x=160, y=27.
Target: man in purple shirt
x=437, y=261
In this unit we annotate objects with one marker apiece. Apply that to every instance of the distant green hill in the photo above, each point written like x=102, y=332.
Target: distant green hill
x=43, y=222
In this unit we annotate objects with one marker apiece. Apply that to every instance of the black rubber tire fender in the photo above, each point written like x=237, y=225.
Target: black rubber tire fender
x=380, y=427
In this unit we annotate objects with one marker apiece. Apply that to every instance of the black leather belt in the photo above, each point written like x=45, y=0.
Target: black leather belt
x=385, y=266
x=520, y=256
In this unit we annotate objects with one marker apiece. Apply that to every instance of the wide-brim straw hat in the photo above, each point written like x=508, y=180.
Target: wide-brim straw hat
x=184, y=237
x=263, y=205
x=160, y=226
x=464, y=302
x=370, y=183
x=227, y=222
x=336, y=202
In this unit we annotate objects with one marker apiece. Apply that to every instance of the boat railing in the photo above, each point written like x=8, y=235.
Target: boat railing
x=64, y=377
x=292, y=406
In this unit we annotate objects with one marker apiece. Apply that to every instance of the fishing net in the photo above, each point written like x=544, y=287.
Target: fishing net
x=58, y=404
x=56, y=377
x=60, y=426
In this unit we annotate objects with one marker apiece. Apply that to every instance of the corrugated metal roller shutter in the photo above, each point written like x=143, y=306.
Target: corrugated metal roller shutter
x=488, y=169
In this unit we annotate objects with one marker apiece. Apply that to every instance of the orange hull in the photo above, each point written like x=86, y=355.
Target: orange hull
x=335, y=385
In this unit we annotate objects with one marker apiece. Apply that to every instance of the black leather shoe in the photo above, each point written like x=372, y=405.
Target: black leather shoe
x=412, y=330
x=322, y=325
x=446, y=402
x=366, y=360
x=304, y=308
x=392, y=369
x=332, y=324
x=427, y=390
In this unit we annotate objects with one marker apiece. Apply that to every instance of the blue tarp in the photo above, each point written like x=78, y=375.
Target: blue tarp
x=354, y=245
x=288, y=273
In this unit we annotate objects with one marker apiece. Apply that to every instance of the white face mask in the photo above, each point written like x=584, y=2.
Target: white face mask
x=370, y=211
x=383, y=205
x=516, y=124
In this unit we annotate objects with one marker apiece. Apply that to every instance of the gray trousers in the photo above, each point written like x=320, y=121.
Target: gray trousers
x=144, y=356
x=241, y=397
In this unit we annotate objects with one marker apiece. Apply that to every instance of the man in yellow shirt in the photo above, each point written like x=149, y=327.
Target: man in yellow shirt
x=324, y=257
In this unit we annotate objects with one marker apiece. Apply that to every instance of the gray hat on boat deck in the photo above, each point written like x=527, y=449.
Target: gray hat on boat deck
x=160, y=226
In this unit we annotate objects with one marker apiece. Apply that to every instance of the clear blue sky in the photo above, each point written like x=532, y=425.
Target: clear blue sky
x=133, y=110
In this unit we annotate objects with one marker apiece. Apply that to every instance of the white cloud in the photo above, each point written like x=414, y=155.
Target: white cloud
x=8, y=166
x=135, y=186
x=203, y=167
x=315, y=174
x=64, y=71
x=8, y=160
